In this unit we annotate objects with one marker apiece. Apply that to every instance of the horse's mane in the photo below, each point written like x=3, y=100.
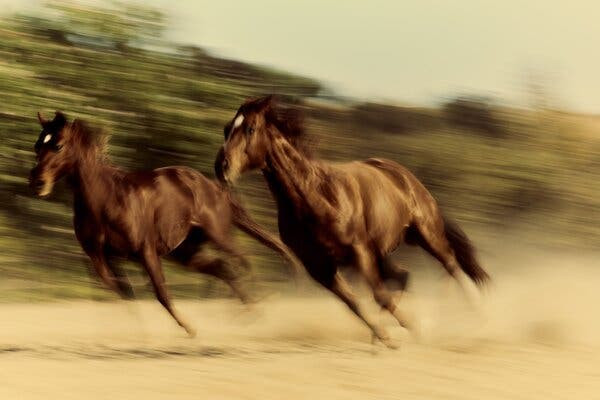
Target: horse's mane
x=286, y=115
x=90, y=139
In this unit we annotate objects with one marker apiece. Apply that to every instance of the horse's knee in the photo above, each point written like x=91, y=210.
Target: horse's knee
x=402, y=277
x=383, y=297
x=244, y=263
x=392, y=272
x=221, y=269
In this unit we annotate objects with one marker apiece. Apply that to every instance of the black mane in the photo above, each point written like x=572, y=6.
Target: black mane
x=88, y=137
x=288, y=118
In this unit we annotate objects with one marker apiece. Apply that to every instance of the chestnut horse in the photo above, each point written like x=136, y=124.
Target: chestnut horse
x=334, y=214
x=142, y=215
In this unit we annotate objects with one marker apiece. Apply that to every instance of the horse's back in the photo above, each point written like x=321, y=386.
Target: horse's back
x=394, y=200
x=179, y=198
x=404, y=180
x=400, y=175
x=187, y=182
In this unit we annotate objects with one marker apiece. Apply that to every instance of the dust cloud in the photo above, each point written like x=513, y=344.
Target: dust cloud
x=536, y=335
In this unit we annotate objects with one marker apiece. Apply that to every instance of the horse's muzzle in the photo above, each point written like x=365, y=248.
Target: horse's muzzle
x=224, y=174
x=221, y=166
x=36, y=183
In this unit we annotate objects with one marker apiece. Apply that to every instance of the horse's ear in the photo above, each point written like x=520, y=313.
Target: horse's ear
x=43, y=121
x=60, y=119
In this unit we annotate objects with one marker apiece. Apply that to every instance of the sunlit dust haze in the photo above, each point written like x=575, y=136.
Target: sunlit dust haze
x=142, y=158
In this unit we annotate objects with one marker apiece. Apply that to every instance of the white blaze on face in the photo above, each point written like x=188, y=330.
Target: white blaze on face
x=238, y=121
x=234, y=160
x=47, y=138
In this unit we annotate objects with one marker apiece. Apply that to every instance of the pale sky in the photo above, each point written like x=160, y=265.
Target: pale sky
x=411, y=51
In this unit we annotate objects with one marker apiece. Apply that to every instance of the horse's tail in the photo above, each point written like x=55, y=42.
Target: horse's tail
x=465, y=253
x=242, y=220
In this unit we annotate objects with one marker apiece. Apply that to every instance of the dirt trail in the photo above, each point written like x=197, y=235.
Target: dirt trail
x=538, y=336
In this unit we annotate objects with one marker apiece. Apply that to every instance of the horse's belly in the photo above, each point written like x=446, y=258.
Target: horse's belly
x=117, y=243
x=172, y=236
x=387, y=221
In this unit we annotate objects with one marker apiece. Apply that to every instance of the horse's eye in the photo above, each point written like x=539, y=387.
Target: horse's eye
x=250, y=130
x=58, y=147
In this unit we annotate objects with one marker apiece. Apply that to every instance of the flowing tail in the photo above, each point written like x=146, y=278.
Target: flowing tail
x=465, y=253
x=242, y=220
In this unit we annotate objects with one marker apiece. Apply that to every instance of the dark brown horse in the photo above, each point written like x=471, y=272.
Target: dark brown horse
x=143, y=215
x=333, y=214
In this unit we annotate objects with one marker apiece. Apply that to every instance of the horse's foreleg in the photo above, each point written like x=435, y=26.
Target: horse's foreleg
x=367, y=265
x=218, y=268
x=151, y=262
x=340, y=287
x=125, y=289
x=106, y=275
x=434, y=241
x=225, y=244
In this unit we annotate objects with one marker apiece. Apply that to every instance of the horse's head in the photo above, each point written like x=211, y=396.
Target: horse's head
x=251, y=134
x=54, y=153
x=246, y=141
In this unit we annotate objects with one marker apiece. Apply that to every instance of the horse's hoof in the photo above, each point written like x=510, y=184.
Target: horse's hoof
x=251, y=301
x=415, y=330
x=385, y=339
x=389, y=344
x=417, y=333
x=191, y=332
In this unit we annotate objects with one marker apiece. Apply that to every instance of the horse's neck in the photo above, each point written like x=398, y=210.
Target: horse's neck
x=294, y=179
x=92, y=181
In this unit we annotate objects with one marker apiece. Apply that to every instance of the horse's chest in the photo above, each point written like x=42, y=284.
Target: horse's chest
x=95, y=231
x=307, y=236
x=120, y=240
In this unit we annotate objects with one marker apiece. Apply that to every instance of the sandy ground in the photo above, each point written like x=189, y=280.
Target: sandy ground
x=529, y=342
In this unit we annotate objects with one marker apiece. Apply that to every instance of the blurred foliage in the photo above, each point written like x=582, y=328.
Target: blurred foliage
x=165, y=103
x=474, y=113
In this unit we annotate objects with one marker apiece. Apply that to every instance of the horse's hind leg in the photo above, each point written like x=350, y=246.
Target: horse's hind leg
x=190, y=254
x=112, y=276
x=394, y=271
x=225, y=243
x=124, y=286
x=219, y=268
x=151, y=262
x=432, y=238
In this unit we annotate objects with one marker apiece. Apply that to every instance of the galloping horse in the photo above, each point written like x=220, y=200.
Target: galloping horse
x=333, y=214
x=143, y=215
